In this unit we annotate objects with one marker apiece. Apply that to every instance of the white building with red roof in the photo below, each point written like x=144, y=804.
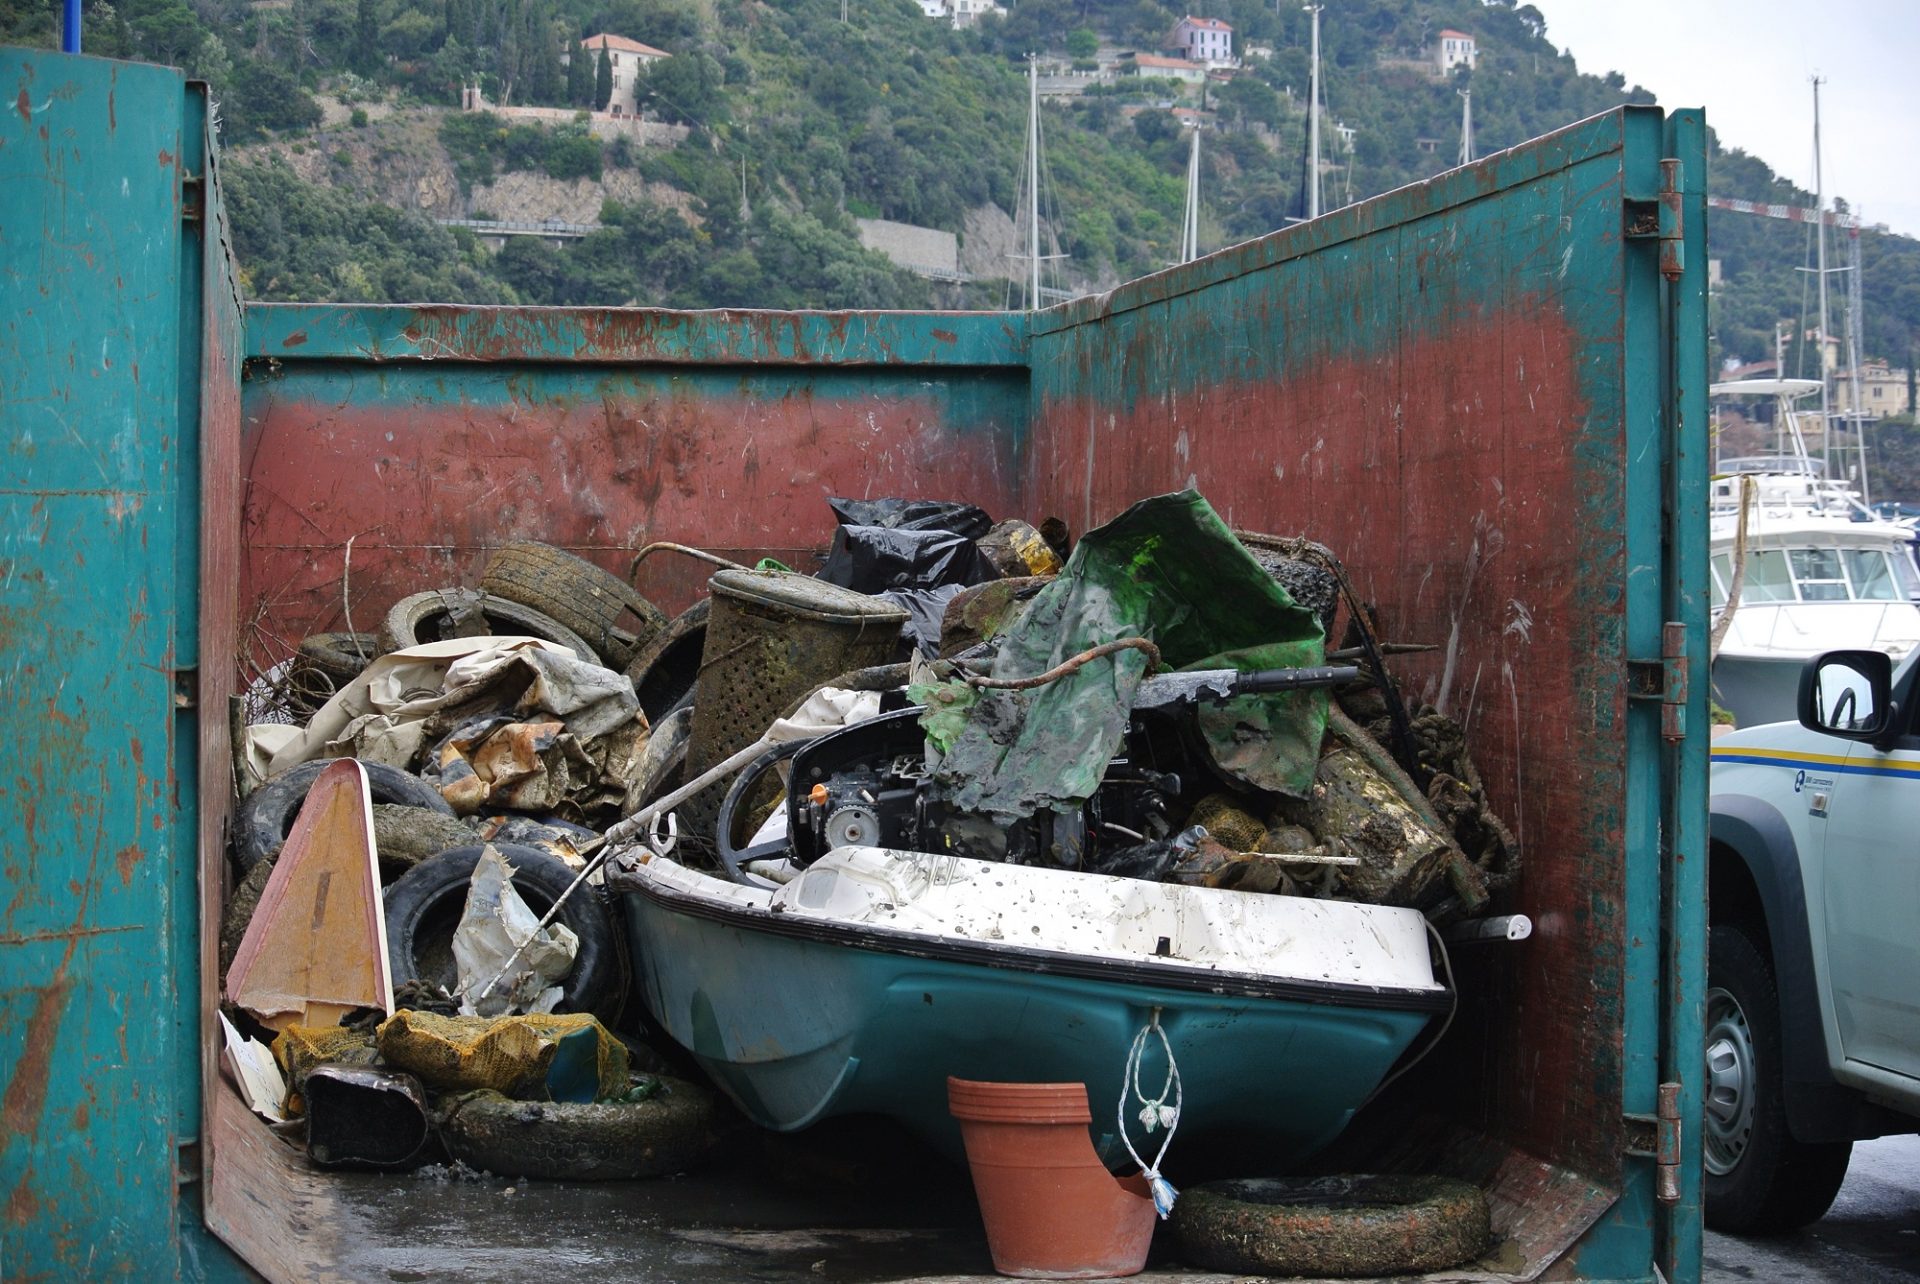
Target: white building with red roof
x=1207, y=41
x=629, y=59
x=1453, y=49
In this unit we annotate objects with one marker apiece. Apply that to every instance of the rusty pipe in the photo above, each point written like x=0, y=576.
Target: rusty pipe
x=633, y=567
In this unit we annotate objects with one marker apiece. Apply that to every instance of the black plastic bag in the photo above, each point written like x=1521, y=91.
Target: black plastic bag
x=873, y=559
x=926, y=613
x=969, y=520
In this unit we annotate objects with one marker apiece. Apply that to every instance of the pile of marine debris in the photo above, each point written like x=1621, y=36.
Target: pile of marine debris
x=419, y=922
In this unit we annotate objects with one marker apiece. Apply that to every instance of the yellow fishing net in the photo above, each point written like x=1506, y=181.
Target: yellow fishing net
x=510, y=1054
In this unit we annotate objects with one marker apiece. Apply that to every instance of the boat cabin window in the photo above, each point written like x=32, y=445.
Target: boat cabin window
x=1819, y=575
x=1722, y=576
x=1874, y=578
x=1768, y=579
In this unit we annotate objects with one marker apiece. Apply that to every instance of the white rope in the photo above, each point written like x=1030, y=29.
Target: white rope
x=1154, y=1112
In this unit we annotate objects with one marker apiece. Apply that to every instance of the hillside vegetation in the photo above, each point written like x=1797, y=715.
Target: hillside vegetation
x=887, y=115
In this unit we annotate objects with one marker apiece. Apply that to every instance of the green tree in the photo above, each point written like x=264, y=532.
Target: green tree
x=580, y=77
x=603, y=82
x=366, y=39
x=1082, y=42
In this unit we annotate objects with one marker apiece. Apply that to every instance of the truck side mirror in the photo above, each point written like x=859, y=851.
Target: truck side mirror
x=1848, y=694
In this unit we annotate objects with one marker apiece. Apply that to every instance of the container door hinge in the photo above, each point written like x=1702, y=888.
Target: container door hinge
x=1666, y=1158
x=1657, y=1137
x=1664, y=680
x=193, y=198
x=1662, y=219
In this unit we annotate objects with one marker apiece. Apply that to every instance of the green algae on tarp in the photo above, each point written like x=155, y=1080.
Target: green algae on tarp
x=1170, y=570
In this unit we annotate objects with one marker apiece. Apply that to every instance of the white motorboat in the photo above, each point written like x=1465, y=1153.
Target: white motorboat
x=1813, y=569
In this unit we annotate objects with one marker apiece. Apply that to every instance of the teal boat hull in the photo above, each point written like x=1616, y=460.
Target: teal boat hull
x=798, y=1027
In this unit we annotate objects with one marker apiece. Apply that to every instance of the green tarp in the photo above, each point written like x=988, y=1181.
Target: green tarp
x=1168, y=569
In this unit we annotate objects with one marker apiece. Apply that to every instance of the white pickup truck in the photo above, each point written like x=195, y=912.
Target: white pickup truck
x=1813, y=1000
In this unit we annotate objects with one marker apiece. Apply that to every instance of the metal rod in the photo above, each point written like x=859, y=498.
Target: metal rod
x=636, y=823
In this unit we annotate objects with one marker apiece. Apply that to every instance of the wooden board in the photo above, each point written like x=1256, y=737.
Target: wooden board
x=317, y=947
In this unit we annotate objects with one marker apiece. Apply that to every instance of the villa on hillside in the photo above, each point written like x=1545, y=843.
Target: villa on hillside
x=629, y=59
x=1207, y=41
x=1453, y=49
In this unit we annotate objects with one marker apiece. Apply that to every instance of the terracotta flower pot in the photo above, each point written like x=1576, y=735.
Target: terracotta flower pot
x=1052, y=1209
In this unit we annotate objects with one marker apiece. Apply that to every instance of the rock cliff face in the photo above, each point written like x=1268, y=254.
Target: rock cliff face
x=397, y=159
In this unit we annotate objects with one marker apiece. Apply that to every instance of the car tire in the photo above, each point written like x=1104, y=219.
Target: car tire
x=423, y=907
x=1333, y=1226
x=604, y=1141
x=1759, y=1179
x=422, y=617
x=264, y=820
x=577, y=594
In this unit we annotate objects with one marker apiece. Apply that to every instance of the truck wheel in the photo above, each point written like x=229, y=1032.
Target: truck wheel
x=577, y=594
x=1759, y=1180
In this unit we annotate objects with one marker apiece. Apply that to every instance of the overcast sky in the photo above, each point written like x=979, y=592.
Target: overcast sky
x=1747, y=63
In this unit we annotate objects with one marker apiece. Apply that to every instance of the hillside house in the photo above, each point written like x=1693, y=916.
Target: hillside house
x=1207, y=41
x=1453, y=49
x=967, y=12
x=1140, y=64
x=630, y=61
x=1883, y=392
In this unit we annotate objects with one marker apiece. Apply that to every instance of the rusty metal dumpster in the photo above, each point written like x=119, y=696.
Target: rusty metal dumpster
x=1485, y=392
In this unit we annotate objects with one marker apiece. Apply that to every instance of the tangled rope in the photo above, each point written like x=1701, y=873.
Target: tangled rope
x=1154, y=1112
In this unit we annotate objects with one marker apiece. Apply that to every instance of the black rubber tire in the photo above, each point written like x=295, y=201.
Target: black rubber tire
x=340, y=656
x=664, y=671
x=423, y=907
x=1775, y=1184
x=557, y=1141
x=419, y=618
x=264, y=819
x=576, y=594
x=1333, y=1226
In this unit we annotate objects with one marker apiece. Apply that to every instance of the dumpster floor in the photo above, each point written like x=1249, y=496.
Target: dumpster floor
x=856, y=1204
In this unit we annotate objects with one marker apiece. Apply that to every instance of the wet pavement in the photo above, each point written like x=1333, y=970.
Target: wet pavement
x=1872, y=1235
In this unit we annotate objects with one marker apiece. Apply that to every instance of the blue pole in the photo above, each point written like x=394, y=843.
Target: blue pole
x=70, y=28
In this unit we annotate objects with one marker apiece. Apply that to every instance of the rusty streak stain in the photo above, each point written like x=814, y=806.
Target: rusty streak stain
x=24, y=106
x=112, y=121
x=126, y=859
x=166, y=158
x=294, y=340
x=946, y=336
x=22, y=1208
x=26, y=1093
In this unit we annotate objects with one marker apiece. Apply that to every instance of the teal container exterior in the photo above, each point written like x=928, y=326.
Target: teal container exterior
x=1415, y=379
x=104, y=313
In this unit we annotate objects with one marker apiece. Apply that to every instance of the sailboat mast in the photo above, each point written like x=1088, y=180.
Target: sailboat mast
x=1313, y=120
x=1190, y=227
x=1033, y=183
x=1854, y=322
x=1820, y=271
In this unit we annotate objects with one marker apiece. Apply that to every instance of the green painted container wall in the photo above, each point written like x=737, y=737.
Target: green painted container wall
x=103, y=314
x=1461, y=389
x=1466, y=388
